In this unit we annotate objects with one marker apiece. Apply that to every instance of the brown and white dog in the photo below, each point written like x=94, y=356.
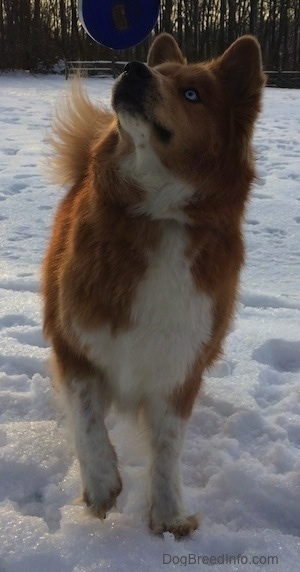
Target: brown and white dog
x=141, y=275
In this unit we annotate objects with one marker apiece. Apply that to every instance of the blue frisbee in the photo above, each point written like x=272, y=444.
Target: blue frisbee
x=118, y=24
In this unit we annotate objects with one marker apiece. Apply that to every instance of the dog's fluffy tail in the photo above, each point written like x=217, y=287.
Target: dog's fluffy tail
x=76, y=126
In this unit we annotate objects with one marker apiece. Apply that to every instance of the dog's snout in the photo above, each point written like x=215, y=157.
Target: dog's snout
x=137, y=69
x=132, y=87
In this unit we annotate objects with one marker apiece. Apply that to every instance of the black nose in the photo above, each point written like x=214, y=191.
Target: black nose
x=137, y=69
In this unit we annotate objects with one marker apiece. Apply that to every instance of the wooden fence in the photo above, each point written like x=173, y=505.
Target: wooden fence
x=103, y=68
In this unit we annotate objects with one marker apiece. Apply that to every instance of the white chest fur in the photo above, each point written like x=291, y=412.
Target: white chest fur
x=165, y=195
x=171, y=322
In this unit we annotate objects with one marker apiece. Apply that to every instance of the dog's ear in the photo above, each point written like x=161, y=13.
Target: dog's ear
x=241, y=67
x=164, y=49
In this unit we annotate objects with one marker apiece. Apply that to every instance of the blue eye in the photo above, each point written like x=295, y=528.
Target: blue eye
x=192, y=95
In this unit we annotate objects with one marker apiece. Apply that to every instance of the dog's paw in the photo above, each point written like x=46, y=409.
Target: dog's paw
x=100, y=499
x=179, y=525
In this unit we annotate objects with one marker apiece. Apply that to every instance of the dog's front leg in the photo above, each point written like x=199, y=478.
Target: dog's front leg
x=85, y=407
x=167, y=512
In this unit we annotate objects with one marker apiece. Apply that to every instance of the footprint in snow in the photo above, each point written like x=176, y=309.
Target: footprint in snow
x=30, y=336
x=10, y=151
x=17, y=187
x=275, y=232
x=282, y=355
x=25, y=176
x=252, y=222
x=12, y=320
x=261, y=196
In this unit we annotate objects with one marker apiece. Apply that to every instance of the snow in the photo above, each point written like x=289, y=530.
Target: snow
x=241, y=461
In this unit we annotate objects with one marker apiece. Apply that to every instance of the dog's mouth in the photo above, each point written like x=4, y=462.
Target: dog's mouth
x=125, y=101
x=130, y=89
x=134, y=94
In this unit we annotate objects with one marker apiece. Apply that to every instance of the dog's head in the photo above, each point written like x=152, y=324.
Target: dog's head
x=194, y=117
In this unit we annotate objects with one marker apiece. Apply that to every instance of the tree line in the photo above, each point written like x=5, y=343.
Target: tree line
x=37, y=34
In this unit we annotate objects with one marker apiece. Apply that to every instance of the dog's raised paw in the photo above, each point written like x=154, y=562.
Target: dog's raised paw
x=100, y=504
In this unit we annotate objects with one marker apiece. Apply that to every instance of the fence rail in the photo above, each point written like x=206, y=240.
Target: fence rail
x=103, y=68
x=99, y=68
x=282, y=78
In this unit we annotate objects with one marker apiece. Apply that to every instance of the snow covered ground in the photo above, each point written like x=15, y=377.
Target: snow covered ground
x=241, y=462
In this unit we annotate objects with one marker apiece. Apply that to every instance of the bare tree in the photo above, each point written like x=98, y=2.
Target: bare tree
x=36, y=33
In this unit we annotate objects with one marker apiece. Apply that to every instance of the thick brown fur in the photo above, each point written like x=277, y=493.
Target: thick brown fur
x=103, y=236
